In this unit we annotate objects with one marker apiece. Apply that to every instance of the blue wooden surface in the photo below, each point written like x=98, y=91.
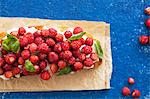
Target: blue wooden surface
x=127, y=24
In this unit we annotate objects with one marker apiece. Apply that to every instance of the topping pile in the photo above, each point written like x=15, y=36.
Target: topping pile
x=47, y=52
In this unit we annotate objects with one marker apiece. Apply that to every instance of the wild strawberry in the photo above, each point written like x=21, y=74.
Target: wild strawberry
x=23, y=41
x=82, y=41
x=43, y=48
x=82, y=57
x=18, y=54
x=45, y=33
x=59, y=38
x=52, y=32
x=50, y=42
x=7, y=67
x=8, y=74
x=37, y=68
x=42, y=56
x=45, y=75
x=25, y=54
x=14, y=33
x=143, y=39
x=62, y=64
x=43, y=65
x=86, y=49
x=16, y=70
x=34, y=59
x=67, y=55
x=78, y=66
x=147, y=11
x=126, y=91
x=76, y=53
x=53, y=68
x=21, y=61
x=88, y=62
x=33, y=47
x=15, y=64
x=38, y=40
x=1, y=71
x=130, y=80
x=61, y=55
x=10, y=58
x=75, y=45
x=65, y=45
x=72, y=60
x=57, y=48
x=147, y=22
x=4, y=52
x=30, y=37
x=2, y=62
x=136, y=93
x=68, y=34
x=25, y=72
x=94, y=56
x=77, y=30
x=21, y=31
x=53, y=57
x=36, y=34
x=89, y=41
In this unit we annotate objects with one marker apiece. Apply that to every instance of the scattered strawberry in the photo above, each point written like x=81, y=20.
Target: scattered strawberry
x=126, y=91
x=53, y=68
x=34, y=59
x=59, y=38
x=21, y=61
x=88, y=62
x=77, y=30
x=8, y=74
x=4, y=52
x=1, y=71
x=14, y=33
x=62, y=64
x=86, y=49
x=45, y=75
x=16, y=70
x=78, y=66
x=42, y=56
x=30, y=37
x=72, y=60
x=7, y=67
x=61, y=55
x=52, y=32
x=136, y=93
x=43, y=48
x=143, y=39
x=67, y=55
x=45, y=33
x=89, y=41
x=147, y=10
x=23, y=41
x=82, y=57
x=130, y=80
x=18, y=54
x=75, y=45
x=2, y=62
x=33, y=47
x=94, y=56
x=25, y=54
x=76, y=53
x=82, y=41
x=57, y=48
x=21, y=31
x=36, y=34
x=10, y=58
x=147, y=22
x=15, y=64
x=65, y=45
x=38, y=41
x=68, y=34
x=50, y=42
x=37, y=68
x=43, y=65
x=25, y=72
x=53, y=57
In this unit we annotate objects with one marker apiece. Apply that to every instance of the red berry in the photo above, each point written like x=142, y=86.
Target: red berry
x=14, y=33
x=33, y=47
x=50, y=42
x=57, y=48
x=67, y=55
x=10, y=58
x=61, y=55
x=21, y=61
x=78, y=66
x=18, y=54
x=147, y=10
x=15, y=64
x=1, y=71
x=88, y=62
x=65, y=45
x=53, y=57
x=23, y=41
x=52, y=32
x=77, y=30
x=45, y=75
x=89, y=41
x=86, y=49
x=16, y=70
x=4, y=52
x=130, y=80
x=30, y=37
x=126, y=91
x=24, y=71
x=21, y=31
x=94, y=56
x=43, y=65
x=62, y=64
x=36, y=34
x=82, y=57
x=53, y=68
x=147, y=22
x=59, y=38
x=45, y=33
x=136, y=93
x=72, y=60
x=37, y=68
x=2, y=62
x=143, y=39
x=25, y=54
x=75, y=45
x=76, y=53
x=42, y=56
x=68, y=34
x=7, y=67
x=43, y=48
x=82, y=41
x=34, y=59
x=8, y=74
x=38, y=40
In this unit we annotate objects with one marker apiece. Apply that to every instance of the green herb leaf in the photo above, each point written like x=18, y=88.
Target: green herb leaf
x=98, y=49
x=15, y=47
x=29, y=66
x=5, y=47
x=65, y=70
x=76, y=37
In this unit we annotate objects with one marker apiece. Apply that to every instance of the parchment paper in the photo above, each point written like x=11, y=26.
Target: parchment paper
x=94, y=79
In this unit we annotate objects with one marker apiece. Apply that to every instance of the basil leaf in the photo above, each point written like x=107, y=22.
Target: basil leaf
x=76, y=37
x=98, y=49
x=29, y=66
x=65, y=70
x=15, y=47
x=9, y=36
x=5, y=47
